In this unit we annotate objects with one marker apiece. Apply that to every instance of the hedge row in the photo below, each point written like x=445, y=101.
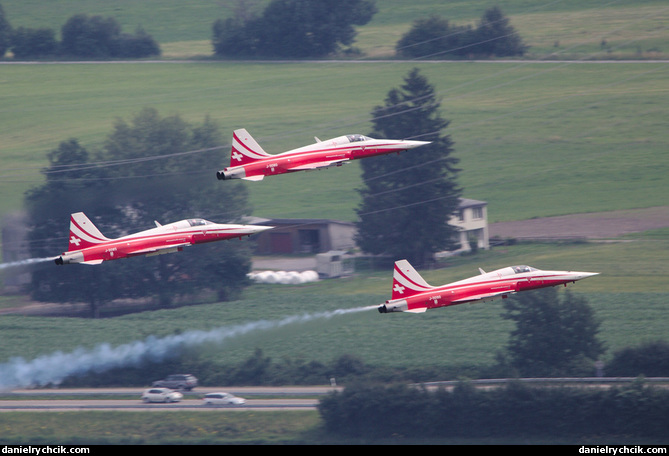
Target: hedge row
x=516, y=410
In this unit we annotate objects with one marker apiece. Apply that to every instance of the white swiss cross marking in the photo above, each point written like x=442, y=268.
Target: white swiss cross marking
x=237, y=156
x=398, y=288
x=74, y=240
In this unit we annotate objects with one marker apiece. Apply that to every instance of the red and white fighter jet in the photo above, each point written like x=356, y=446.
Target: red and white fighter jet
x=411, y=293
x=89, y=246
x=249, y=161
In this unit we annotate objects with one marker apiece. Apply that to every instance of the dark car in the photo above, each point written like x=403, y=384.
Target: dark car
x=177, y=381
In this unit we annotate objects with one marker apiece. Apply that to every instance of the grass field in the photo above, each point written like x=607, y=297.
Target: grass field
x=212, y=428
x=128, y=428
x=629, y=296
x=534, y=139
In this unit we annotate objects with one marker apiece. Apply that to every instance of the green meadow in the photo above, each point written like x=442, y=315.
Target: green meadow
x=630, y=297
x=533, y=139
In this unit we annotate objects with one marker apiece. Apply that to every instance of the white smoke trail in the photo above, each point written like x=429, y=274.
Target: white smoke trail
x=27, y=262
x=54, y=368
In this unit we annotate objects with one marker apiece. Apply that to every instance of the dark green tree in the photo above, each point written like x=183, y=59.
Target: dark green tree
x=93, y=36
x=495, y=36
x=141, y=44
x=149, y=170
x=34, y=43
x=99, y=37
x=407, y=200
x=433, y=37
x=5, y=33
x=71, y=184
x=650, y=359
x=553, y=336
x=293, y=28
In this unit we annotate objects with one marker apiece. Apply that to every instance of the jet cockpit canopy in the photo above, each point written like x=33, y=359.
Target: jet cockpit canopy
x=356, y=138
x=199, y=222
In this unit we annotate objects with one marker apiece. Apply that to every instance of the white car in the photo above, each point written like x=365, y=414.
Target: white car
x=161, y=395
x=222, y=399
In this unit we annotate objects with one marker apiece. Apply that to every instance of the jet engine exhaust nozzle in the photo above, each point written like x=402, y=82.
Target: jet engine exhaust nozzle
x=69, y=258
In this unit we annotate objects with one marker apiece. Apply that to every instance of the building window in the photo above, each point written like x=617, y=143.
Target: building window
x=478, y=212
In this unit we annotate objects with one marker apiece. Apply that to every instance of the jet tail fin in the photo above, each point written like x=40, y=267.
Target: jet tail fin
x=245, y=149
x=83, y=233
x=407, y=281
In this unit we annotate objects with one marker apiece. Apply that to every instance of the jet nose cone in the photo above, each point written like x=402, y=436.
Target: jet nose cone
x=583, y=275
x=414, y=144
x=260, y=228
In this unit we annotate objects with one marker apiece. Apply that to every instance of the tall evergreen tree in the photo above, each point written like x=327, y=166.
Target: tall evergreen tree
x=408, y=200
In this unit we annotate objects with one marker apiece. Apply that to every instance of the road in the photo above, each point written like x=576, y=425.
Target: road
x=257, y=399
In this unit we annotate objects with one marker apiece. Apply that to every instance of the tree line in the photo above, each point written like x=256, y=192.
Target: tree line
x=513, y=411
x=82, y=36
x=307, y=28
x=435, y=37
x=284, y=29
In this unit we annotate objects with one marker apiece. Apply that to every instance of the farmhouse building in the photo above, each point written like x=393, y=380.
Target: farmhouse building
x=304, y=236
x=314, y=236
x=472, y=223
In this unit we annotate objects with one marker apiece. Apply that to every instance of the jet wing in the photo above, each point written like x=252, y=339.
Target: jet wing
x=484, y=297
x=254, y=178
x=323, y=164
x=162, y=249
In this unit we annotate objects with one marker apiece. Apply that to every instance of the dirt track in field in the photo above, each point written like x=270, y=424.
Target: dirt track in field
x=598, y=225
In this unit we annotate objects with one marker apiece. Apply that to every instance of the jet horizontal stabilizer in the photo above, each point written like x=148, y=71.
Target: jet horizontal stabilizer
x=416, y=311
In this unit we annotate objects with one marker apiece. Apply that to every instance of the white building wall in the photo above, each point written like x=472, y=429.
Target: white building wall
x=472, y=222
